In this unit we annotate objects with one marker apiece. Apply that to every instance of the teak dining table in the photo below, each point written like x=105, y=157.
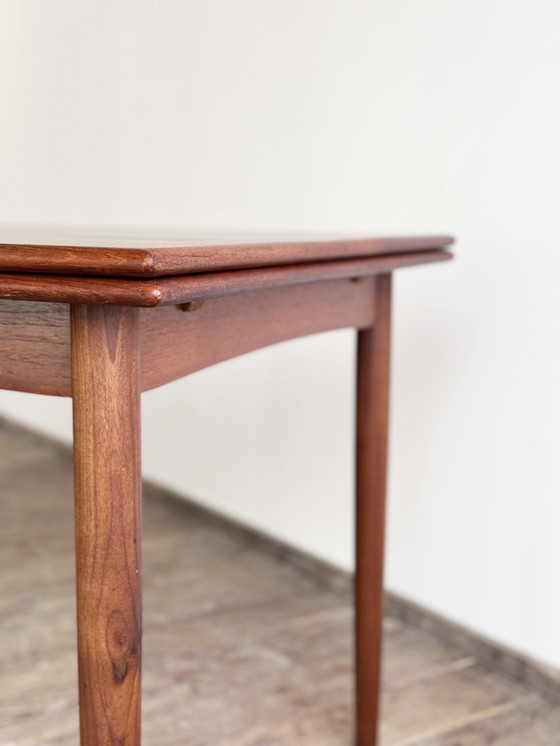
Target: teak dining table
x=102, y=317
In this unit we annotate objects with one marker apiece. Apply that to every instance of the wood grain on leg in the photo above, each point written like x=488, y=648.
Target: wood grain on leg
x=108, y=522
x=371, y=470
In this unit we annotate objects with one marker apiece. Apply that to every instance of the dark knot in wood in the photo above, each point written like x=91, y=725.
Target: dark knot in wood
x=122, y=645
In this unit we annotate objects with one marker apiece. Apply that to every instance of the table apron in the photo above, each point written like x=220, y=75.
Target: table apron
x=35, y=349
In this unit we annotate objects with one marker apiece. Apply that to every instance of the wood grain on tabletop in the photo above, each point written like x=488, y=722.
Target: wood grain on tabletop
x=166, y=290
x=137, y=253
x=108, y=501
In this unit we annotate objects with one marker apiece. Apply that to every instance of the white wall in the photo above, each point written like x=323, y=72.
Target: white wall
x=386, y=117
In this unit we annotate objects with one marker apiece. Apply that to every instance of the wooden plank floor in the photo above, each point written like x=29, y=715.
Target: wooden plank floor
x=240, y=649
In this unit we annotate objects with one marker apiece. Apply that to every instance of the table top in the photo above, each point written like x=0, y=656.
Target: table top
x=145, y=254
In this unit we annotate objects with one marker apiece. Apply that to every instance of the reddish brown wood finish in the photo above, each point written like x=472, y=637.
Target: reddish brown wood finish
x=194, y=287
x=35, y=337
x=118, y=343
x=106, y=396
x=175, y=343
x=35, y=347
x=166, y=290
x=87, y=290
x=371, y=476
x=122, y=254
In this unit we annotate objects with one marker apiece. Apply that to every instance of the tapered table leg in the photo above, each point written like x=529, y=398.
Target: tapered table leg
x=108, y=522
x=371, y=471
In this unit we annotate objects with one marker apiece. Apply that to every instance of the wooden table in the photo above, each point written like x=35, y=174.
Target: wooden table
x=102, y=318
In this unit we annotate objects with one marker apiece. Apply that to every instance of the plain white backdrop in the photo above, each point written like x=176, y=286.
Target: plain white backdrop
x=383, y=117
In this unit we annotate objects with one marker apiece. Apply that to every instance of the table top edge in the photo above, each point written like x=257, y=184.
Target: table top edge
x=155, y=291
x=145, y=258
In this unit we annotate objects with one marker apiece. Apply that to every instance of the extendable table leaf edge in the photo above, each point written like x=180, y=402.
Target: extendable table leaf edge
x=101, y=318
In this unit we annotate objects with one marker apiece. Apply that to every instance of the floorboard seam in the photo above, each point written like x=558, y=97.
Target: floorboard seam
x=476, y=717
x=434, y=673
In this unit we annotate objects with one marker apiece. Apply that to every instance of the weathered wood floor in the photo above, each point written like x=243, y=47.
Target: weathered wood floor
x=240, y=650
